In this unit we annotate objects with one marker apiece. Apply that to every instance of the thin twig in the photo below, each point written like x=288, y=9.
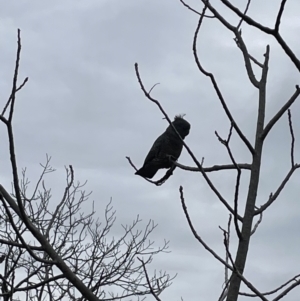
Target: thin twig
x=277, y=116
x=227, y=280
x=292, y=136
x=196, y=235
x=274, y=196
x=248, y=55
x=228, y=231
x=148, y=280
x=255, y=61
x=257, y=223
x=153, y=87
x=216, y=87
x=15, y=78
x=195, y=11
x=159, y=182
x=18, y=245
x=238, y=179
x=245, y=12
x=226, y=244
x=246, y=18
x=213, y=168
x=279, y=15
x=9, y=99
x=242, y=46
x=275, y=290
x=287, y=290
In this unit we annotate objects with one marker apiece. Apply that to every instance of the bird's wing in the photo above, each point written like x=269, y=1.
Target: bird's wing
x=155, y=149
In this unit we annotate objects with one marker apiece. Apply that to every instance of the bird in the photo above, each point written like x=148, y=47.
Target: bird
x=166, y=148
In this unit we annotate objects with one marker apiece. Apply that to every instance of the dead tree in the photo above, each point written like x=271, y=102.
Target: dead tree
x=52, y=250
x=243, y=223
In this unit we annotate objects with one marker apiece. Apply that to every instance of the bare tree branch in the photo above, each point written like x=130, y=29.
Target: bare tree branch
x=287, y=290
x=215, y=85
x=247, y=57
x=275, y=290
x=277, y=116
x=246, y=18
x=193, y=10
x=10, y=98
x=15, y=244
x=279, y=15
x=257, y=223
x=15, y=79
x=292, y=136
x=274, y=196
x=196, y=235
x=266, y=30
x=238, y=179
x=227, y=279
x=245, y=12
x=213, y=168
x=154, y=294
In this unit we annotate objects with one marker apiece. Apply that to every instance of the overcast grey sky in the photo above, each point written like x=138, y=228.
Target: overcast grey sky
x=83, y=106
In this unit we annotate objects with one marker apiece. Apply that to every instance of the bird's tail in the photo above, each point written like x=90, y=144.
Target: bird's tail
x=147, y=171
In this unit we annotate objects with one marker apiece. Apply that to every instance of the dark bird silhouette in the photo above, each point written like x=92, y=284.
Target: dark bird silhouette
x=167, y=147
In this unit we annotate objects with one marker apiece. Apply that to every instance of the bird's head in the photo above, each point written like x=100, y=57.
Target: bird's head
x=181, y=125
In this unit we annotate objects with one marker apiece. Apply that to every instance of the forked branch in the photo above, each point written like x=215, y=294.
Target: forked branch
x=277, y=116
x=274, y=32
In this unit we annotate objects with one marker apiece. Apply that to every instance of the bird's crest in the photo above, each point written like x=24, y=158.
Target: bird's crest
x=180, y=116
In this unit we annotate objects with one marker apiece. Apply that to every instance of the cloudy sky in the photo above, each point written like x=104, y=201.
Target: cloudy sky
x=83, y=106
